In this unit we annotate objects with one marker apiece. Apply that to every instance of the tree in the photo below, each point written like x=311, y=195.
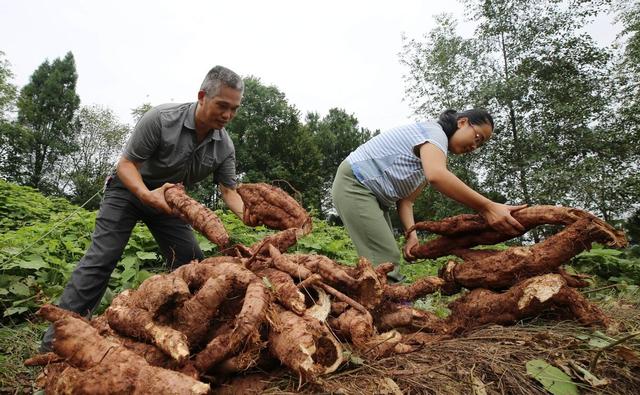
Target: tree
x=8, y=128
x=139, y=111
x=633, y=228
x=271, y=146
x=7, y=89
x=623, y=116
x=46, y=106
x=546, y=83
x=99, y=137
x=336, y=136
x=443, y=72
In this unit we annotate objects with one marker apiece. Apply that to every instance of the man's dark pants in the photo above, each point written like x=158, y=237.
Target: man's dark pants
x=119, y=212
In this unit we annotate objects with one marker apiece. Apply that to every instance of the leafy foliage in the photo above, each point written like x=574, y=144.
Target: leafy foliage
x=22, y=206
x=550, y=88
x=613, y=265
x=633, y=227
x=7, y=89
x=43, y=239
x=46, y=107
x=99, y=138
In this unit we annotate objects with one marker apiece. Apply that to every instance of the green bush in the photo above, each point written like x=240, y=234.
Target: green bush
x=43, y=239
x=22, y=206
x=620, y=266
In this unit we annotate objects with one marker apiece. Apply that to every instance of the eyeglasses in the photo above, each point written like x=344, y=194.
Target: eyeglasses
x=478, y=137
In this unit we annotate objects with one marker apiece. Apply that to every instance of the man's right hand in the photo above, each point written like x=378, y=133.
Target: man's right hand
x=129, y=173
x=155, y=198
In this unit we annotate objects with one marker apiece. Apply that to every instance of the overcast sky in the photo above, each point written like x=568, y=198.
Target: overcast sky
x=321, y=54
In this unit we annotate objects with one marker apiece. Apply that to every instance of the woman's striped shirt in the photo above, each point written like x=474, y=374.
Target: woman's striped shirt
x=387, y=164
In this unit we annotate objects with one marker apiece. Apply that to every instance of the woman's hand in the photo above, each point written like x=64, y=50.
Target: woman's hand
x=498, y=216
x=411, y=242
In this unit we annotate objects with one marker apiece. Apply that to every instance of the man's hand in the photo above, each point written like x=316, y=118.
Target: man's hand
x=155, y=199
x=411, y=242
x=498, y=216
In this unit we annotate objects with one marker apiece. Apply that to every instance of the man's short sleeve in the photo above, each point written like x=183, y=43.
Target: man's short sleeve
x=225, y=174
x=145, y=138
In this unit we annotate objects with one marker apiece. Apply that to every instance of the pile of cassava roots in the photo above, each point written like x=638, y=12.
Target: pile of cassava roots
x=258, y=306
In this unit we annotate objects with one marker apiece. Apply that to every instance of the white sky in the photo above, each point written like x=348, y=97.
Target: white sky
x=321, y=54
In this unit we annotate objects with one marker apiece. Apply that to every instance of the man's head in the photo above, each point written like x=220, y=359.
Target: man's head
x=219, y=98
x=218, y=77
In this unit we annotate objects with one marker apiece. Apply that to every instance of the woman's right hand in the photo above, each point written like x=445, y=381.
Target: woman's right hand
x=499, y=217
x=411, y=242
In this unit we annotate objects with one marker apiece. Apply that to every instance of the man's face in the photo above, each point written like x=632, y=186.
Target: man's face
x=217, y=111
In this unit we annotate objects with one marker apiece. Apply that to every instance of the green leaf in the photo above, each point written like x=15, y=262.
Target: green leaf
x=146, y=256
x=15, y=310
x=142, y=275
x=597, y=342
x=11, y=250
x=34, y=262
x=128, y=274
x=442, y=312
x=553, y=379
x=19, y=289
x=129, y=261
x=206, y=246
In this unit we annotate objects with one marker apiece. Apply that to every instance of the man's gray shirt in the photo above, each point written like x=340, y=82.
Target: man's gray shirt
x=165, y=141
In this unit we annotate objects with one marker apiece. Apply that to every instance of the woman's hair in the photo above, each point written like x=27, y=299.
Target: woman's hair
x=449, y=119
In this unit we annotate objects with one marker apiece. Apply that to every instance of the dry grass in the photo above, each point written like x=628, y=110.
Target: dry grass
x=489, y=360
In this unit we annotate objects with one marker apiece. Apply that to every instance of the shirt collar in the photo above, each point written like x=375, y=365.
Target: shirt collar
x=215, y=134
x=190, y=120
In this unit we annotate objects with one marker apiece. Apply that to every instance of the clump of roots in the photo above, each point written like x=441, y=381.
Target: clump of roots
x=209, y=320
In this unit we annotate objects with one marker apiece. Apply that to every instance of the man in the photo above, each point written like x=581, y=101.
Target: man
x=171, y=143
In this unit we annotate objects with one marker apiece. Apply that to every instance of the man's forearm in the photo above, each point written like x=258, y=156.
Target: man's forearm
x=233, y=200
x=130, y=176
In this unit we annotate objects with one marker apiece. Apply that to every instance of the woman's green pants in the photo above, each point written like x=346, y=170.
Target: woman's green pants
x=367, y=223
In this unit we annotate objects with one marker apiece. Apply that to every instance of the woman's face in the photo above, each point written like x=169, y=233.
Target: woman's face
x=468, y=137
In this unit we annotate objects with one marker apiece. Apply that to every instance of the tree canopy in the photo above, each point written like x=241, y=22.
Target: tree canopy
x=46, y=106
x=558, y=137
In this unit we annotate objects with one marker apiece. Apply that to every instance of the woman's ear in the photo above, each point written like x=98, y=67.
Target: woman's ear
x=462, y=121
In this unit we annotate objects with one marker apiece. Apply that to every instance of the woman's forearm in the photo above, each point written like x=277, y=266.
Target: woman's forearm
x=448, y=184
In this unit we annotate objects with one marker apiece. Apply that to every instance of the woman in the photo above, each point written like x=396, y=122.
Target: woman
x=395, y=166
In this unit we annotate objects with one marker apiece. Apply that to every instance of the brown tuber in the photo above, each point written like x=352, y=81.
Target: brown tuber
x=226, y=315
x=101, y=366
x=199, y=216
x=267, y=205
